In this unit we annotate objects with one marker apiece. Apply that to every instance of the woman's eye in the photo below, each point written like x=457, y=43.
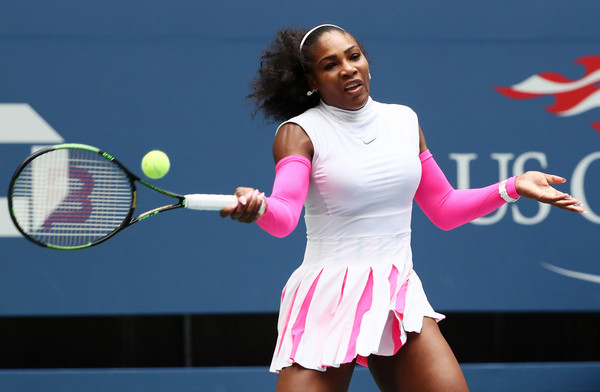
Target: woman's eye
x=355, y=56
x=329, y=66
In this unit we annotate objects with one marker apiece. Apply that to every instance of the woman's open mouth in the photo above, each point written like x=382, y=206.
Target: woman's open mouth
x=353, y=87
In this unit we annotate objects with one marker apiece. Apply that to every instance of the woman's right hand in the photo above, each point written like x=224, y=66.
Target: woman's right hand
x=248, y=207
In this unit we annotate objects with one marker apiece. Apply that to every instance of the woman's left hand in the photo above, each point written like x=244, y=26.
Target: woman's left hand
x=536, y=185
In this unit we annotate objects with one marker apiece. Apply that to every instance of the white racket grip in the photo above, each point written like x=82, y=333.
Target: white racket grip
x=207, y=202
x=211, y=202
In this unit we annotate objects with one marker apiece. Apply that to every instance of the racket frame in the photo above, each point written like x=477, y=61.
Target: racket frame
x=128, y=220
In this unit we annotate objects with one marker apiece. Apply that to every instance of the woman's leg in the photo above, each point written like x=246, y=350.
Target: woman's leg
x=295, y=378
x=425, y=363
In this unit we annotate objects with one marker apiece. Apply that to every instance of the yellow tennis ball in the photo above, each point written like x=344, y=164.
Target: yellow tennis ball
x=155, y=164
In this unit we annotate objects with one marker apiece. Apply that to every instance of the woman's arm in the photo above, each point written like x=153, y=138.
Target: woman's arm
x=292, y=140
x=448, y=208
x=292, y=151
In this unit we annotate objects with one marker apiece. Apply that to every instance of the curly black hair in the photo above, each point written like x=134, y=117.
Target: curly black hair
x=279, y=89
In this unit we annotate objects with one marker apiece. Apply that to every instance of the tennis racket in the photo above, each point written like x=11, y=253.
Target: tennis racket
x=74, y=196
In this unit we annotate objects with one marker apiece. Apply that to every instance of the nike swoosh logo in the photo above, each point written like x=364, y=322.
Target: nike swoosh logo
x=369, y=139
x=572, y=274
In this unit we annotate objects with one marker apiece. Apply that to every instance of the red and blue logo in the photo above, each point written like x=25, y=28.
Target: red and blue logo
x=572, y=96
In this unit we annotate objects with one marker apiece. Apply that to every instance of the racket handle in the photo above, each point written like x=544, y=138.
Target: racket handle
x=200, y=201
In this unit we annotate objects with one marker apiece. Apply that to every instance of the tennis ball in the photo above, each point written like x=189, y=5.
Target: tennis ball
x=155, y=164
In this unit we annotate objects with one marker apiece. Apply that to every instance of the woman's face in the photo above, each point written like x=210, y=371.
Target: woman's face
x=340, y=72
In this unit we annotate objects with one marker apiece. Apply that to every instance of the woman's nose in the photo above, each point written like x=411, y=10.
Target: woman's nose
x=348, y=68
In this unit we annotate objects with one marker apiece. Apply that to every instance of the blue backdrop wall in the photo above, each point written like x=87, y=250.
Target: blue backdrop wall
x=133, y=76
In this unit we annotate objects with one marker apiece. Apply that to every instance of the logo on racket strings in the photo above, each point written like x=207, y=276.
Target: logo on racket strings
x=77, y=205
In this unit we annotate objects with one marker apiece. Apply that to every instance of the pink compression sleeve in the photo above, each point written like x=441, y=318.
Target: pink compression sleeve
x=292, y=176
x=447, y=207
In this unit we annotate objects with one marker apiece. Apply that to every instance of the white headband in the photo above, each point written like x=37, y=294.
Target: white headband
x=313, y=29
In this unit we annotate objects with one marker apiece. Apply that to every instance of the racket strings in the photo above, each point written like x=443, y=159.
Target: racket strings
x=71, y=197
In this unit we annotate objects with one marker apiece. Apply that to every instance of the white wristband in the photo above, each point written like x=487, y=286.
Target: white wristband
x=504, y=194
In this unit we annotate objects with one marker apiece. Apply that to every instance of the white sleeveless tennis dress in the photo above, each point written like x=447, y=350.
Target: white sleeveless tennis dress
x=355, y=293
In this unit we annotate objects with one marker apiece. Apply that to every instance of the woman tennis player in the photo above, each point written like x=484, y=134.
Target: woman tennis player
x=356, y=165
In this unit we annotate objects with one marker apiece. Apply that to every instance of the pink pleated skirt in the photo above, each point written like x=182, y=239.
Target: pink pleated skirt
x=349, y=299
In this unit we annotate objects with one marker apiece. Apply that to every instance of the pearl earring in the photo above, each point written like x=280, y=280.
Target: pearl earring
x=310, y=92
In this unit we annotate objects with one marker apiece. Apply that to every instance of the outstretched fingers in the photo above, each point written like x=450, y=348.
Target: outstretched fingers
x=560, y=199
x=568, y=202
